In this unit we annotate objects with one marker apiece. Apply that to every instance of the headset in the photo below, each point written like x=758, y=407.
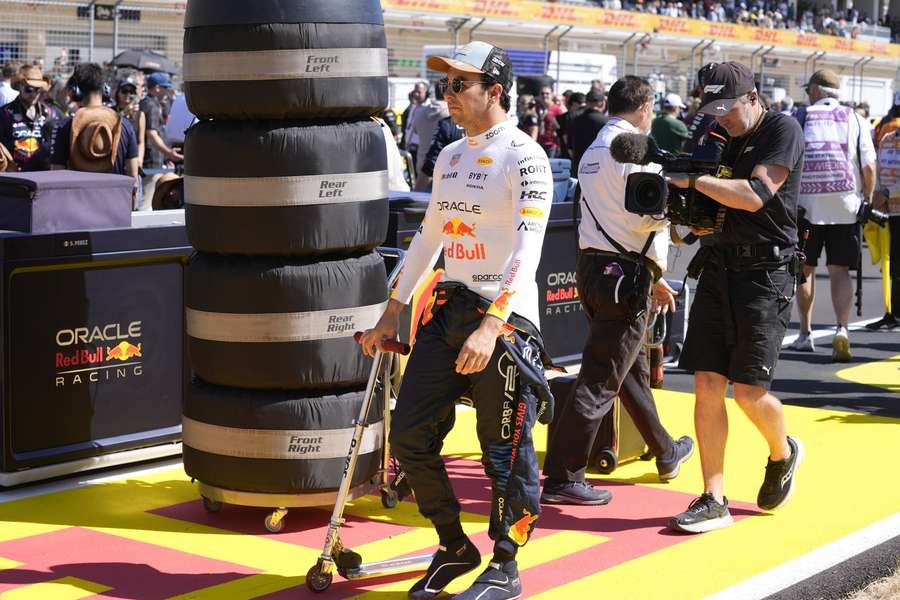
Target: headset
x=74, y=90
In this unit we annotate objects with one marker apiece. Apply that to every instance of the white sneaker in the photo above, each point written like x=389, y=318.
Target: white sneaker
x=803, y=343
x=840, y=346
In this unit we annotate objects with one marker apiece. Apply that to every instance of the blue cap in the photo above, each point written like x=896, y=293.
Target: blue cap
x=159, y=78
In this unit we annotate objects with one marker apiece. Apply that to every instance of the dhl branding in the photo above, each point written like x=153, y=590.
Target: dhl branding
x=559, y=13
x=531, y=211
x=722, y=31
x=494, y=8
x=674, y=25
x=765, y=35
x=485, y=161
x=457, y=228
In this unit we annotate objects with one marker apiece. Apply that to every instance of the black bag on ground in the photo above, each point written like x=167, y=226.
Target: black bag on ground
x=618, y=440
x=276, y=441
x=286, y=188
x=275, y=323
x=284, y=59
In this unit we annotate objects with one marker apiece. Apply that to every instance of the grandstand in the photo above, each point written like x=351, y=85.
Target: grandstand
x=665, y=48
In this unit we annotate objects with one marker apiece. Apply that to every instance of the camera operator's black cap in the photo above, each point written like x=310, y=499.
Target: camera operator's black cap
x=722, y=84
x=478, y=57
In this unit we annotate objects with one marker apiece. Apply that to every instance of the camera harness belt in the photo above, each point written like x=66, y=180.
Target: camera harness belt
x=640, y=259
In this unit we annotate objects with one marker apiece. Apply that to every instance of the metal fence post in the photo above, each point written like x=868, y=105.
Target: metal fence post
x=92, y=13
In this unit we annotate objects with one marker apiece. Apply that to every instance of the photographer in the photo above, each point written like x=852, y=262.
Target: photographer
x=621, y=257
x=838, y=175
x=743, y=300
x=888, y=194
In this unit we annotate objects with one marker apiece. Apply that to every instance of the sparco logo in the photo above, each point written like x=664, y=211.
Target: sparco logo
x=99, y=333
x=340, y=323
x=481, y=277
x=321, y=64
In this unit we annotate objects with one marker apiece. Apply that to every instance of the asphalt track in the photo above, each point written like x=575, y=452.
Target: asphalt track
x=144, y=534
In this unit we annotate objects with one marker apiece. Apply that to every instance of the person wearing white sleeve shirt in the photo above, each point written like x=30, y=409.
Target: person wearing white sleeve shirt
x=491, y=200
x=621, y=261
x=838, y=175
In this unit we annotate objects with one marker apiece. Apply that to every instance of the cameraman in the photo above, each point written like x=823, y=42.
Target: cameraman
x=743, y=301
x=622, y=258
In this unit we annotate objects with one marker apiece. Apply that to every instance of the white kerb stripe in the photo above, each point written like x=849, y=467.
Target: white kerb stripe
x=260, y=65
x=300, y=190
x=277, y=443
x=282, y=327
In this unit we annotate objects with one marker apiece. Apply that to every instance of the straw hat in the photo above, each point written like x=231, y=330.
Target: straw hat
x=169, y=192
x=6, y=160
x=95, y=139
x=31, y=75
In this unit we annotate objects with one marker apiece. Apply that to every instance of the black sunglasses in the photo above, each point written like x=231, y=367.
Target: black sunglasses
x=457, y=85
x=128, y=91
x=31, y=89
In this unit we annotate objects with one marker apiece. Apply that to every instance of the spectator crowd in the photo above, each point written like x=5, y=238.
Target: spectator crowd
x=91, y=119
x=771, y=14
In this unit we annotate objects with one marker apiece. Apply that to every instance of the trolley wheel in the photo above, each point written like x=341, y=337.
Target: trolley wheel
x=607, y=461
x=389, y=498
x=275, y=523
x=211, y=506
x=316, y=580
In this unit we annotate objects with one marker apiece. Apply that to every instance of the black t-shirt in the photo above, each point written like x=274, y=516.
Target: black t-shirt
x=128, y=147
x=152, y=109
x=779, y=141
x=583, y=130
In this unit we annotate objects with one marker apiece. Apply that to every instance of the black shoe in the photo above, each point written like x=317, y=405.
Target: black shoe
x=498, y=582
x=573, y=492
x=778, y=485
x=447, y=565
x=703, y=514
x=888, y=321
x=669, y=469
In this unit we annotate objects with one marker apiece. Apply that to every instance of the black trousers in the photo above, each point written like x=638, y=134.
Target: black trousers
x=894, y=224
x=506, y=411
x=614, y=363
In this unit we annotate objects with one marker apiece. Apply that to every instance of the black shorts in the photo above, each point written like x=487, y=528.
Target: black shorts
x=738, y=320
x=841, y=244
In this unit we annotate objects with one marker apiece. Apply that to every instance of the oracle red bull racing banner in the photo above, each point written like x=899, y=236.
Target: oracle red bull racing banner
x=95, y=355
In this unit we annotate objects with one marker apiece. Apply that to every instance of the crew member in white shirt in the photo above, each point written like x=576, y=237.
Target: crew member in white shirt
x=838, y=175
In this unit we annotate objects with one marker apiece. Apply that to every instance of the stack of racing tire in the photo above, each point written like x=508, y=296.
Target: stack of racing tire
x=286, y=200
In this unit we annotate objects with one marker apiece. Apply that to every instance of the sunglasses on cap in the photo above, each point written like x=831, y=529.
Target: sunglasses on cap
x=457, y=85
